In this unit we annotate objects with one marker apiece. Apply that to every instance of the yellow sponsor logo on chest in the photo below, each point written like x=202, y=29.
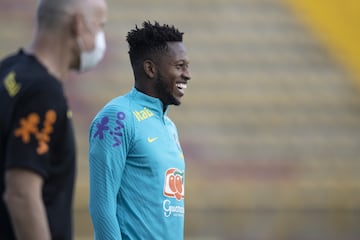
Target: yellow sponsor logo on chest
x=143, y=114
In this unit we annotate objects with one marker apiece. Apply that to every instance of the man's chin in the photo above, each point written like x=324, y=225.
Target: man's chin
x=173, y=100
x=176, y=101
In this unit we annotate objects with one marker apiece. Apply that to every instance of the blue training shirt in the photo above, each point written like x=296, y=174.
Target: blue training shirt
x=136, y=171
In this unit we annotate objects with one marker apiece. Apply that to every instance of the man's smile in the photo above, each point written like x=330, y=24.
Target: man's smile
x=181, y=87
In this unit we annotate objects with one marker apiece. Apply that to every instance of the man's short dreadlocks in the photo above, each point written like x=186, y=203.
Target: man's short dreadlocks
x=143, y=42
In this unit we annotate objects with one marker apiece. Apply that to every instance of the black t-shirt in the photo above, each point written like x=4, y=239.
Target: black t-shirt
x=36, y=134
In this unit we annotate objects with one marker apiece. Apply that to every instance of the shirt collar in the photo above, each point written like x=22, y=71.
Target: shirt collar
x=154, y=104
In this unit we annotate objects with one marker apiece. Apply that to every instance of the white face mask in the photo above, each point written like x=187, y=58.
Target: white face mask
x=89, y=59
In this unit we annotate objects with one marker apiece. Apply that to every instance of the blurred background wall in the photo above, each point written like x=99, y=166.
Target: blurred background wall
x=270, y=124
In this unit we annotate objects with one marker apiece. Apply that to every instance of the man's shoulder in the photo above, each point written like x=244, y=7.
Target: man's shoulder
x=28, y=84
x=121, y=103
x=117, y=108
x=113, y=118
x=127, y=103
x=11, y=58
x=27, y=74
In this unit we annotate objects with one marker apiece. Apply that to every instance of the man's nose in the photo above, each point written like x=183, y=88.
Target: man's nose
x=187, y=74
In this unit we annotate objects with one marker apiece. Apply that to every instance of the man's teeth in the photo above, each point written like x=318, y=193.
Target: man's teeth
x=181, y=85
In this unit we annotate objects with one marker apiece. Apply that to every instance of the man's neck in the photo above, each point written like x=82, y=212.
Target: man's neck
x=51, y=53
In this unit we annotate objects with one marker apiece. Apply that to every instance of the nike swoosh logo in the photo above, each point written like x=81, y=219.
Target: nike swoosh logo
x=150, y=140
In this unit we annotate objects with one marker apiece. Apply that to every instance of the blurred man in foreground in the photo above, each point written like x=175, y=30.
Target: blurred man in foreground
x=37, y=149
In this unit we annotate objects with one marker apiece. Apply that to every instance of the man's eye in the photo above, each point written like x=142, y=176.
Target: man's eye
x=182, y=66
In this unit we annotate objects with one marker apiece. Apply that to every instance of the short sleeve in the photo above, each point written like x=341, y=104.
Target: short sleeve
x=36, y=121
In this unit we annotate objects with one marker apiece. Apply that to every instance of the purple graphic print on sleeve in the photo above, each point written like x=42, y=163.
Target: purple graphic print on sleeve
x=115, y=131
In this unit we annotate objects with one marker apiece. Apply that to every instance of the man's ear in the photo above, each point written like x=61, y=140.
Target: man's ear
x=149, y=69
x=78, y=26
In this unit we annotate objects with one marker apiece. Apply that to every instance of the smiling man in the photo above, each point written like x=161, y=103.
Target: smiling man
x=136, y=163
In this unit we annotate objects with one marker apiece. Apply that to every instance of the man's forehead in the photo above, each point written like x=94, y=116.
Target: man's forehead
x=176, y=48
x=175, y=51
x=176, y=44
